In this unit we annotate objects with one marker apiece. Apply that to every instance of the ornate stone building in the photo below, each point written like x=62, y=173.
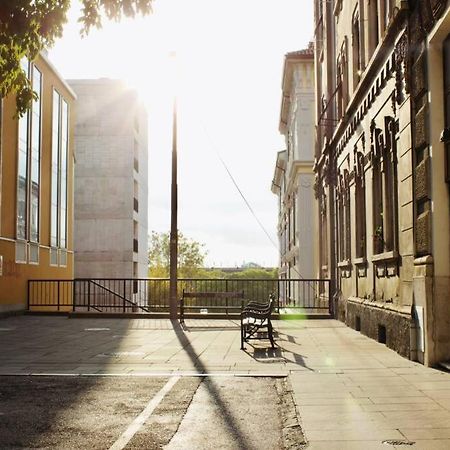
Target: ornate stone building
x=380, y=182
x=293, y=180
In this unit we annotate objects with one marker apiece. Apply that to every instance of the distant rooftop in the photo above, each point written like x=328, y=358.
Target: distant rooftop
x=304, y=53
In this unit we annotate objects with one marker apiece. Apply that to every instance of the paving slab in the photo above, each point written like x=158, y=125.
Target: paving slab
x=350, y=391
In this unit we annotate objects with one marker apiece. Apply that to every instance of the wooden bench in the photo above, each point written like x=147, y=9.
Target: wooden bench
x=256, y=318
x=210, y=295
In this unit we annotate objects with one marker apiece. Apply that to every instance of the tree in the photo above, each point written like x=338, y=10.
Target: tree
x=27, y=27
x=191, y=256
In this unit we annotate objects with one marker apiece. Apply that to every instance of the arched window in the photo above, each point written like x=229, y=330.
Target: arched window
x=385, y=187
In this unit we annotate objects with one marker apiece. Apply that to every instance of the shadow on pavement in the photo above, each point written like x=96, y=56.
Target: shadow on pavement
x=231, y=325
x=32, y=407
x=232, y=424
x=269, y=355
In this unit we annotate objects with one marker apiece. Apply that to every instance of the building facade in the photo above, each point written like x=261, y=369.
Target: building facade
x=293, y=180
x=383, y=201
x=36, y=186
x=111, y=178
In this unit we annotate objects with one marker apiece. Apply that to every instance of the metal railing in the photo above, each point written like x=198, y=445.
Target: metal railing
x=50, y=295
x=125, y=295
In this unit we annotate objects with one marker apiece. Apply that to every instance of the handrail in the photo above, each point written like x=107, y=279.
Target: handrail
x=118, y=295
x=148, y=295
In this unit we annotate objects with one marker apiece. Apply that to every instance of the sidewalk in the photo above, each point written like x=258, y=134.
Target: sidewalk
x=351, y=392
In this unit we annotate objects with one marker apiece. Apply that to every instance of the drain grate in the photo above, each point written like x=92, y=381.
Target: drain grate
x=398, y=442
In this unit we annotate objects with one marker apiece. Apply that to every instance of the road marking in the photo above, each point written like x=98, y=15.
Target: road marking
x=97, y=329
x=143, y=416
x=119, y=354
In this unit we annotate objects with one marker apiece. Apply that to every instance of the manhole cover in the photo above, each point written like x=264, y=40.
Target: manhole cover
x=398, y=442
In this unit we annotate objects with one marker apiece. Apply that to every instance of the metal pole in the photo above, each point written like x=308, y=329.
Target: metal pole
x=174, y=221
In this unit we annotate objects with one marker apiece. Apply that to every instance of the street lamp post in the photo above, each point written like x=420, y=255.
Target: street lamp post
x=173, y=247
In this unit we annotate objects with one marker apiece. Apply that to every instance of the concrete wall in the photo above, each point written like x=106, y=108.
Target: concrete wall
x=111, y=135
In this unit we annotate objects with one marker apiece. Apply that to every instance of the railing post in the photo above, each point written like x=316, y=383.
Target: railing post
x=74, y=294
x=28, y=295
x=226, y=298
x=58, y=287
x=124, y=294
x=330, y=306
x=278, y=294
x=89, y=295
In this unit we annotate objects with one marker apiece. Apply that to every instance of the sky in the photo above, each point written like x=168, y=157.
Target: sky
x=227, y=80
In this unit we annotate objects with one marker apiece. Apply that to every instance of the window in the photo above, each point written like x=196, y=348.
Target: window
x=446, y=139
x=323, y=238
x=357, y=47
x=360, y=205
x=385, y=192
x=344, y=227
x=294, y=220
x=342, y=81
x=55, y=170
x=289, y=228
x=29, y=161
x=60, y=146
x=339, y=87
x=373, y=31
x=377, y=194
x=386, y=11
x=35, y=157
x=63, y=176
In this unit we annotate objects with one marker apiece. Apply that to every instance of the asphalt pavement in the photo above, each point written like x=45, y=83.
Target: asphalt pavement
x=150, y=383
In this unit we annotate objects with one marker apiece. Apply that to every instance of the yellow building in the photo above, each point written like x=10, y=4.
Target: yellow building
x=36, y=187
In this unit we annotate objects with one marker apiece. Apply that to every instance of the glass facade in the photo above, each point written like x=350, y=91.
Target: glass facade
x=35, y=157
x=60, y=147
x=29, y=160
x=55, y=170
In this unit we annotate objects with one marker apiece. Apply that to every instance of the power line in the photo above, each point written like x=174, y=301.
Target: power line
x=244, y=198
x=241, y=193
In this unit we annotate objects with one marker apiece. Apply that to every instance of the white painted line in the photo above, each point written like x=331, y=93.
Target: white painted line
x=119, y=354
x=144, y=374
x=145, y=414
x=97, y=329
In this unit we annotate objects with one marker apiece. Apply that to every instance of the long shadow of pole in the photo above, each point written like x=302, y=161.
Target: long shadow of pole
x=231, y=423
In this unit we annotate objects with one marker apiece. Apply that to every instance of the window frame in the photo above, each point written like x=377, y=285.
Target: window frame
x=27, y=155
x=59, y=184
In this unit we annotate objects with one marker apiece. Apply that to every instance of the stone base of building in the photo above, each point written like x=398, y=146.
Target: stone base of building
x=386, y=326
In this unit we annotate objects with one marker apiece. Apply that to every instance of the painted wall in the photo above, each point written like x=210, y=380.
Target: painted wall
x=14, y=277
